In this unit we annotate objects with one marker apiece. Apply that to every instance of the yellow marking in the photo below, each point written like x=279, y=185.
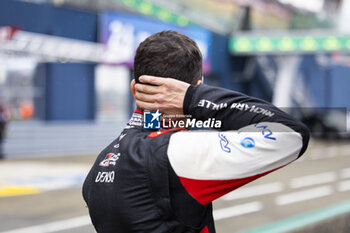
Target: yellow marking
x=15, y=190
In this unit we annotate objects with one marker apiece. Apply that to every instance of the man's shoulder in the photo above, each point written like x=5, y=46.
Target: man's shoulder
x=140, y=140
x=151, y=139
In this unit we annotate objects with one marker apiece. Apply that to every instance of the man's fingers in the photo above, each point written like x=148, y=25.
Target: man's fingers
x=147, y=88
x=152, y=80
x=145, y=97
x=164, y=94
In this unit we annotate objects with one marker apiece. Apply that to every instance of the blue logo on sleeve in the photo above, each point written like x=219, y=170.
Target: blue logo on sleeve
x=151, y=120
x=248, y=142
x=224, y=143
x=267, y=133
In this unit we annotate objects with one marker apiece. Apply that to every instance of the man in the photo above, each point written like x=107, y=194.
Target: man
x=3, y=121
x=162, y=181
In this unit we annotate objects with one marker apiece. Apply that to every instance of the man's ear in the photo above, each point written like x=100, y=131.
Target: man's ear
x=132, y=87
x=199, y=82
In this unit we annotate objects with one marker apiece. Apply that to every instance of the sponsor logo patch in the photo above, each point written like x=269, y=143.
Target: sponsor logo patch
x=248, y=142
x=105, y=177
x=224, y=143
x=110, y=159
x=265, y=131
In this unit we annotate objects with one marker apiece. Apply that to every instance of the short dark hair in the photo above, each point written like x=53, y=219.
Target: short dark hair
x=169, y=54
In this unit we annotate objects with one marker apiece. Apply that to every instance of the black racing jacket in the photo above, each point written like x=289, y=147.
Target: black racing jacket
x=162, y=181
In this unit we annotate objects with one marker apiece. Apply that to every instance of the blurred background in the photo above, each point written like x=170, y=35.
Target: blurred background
x=65, y=69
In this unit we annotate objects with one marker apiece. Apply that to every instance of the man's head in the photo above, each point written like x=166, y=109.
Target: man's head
x=169, y=54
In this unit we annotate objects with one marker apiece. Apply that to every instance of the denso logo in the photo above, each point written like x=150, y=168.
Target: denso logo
x=105, y=177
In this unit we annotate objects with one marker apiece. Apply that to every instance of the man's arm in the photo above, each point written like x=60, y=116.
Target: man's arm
x=255, y=139
x=236, y=110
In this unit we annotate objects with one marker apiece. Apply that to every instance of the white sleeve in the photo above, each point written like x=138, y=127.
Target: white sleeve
x=256, y=149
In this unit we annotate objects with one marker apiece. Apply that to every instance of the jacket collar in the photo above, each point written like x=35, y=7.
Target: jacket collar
x=136, y=119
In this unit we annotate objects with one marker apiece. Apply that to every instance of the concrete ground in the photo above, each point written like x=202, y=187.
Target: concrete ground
x=310, y=195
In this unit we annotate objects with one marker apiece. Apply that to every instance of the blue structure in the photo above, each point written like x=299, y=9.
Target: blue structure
x=47, y=19
x=328, y=85
x=70, y=92
x=69, y=88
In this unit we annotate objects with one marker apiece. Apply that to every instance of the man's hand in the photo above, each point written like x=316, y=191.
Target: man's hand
x=167, y=94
